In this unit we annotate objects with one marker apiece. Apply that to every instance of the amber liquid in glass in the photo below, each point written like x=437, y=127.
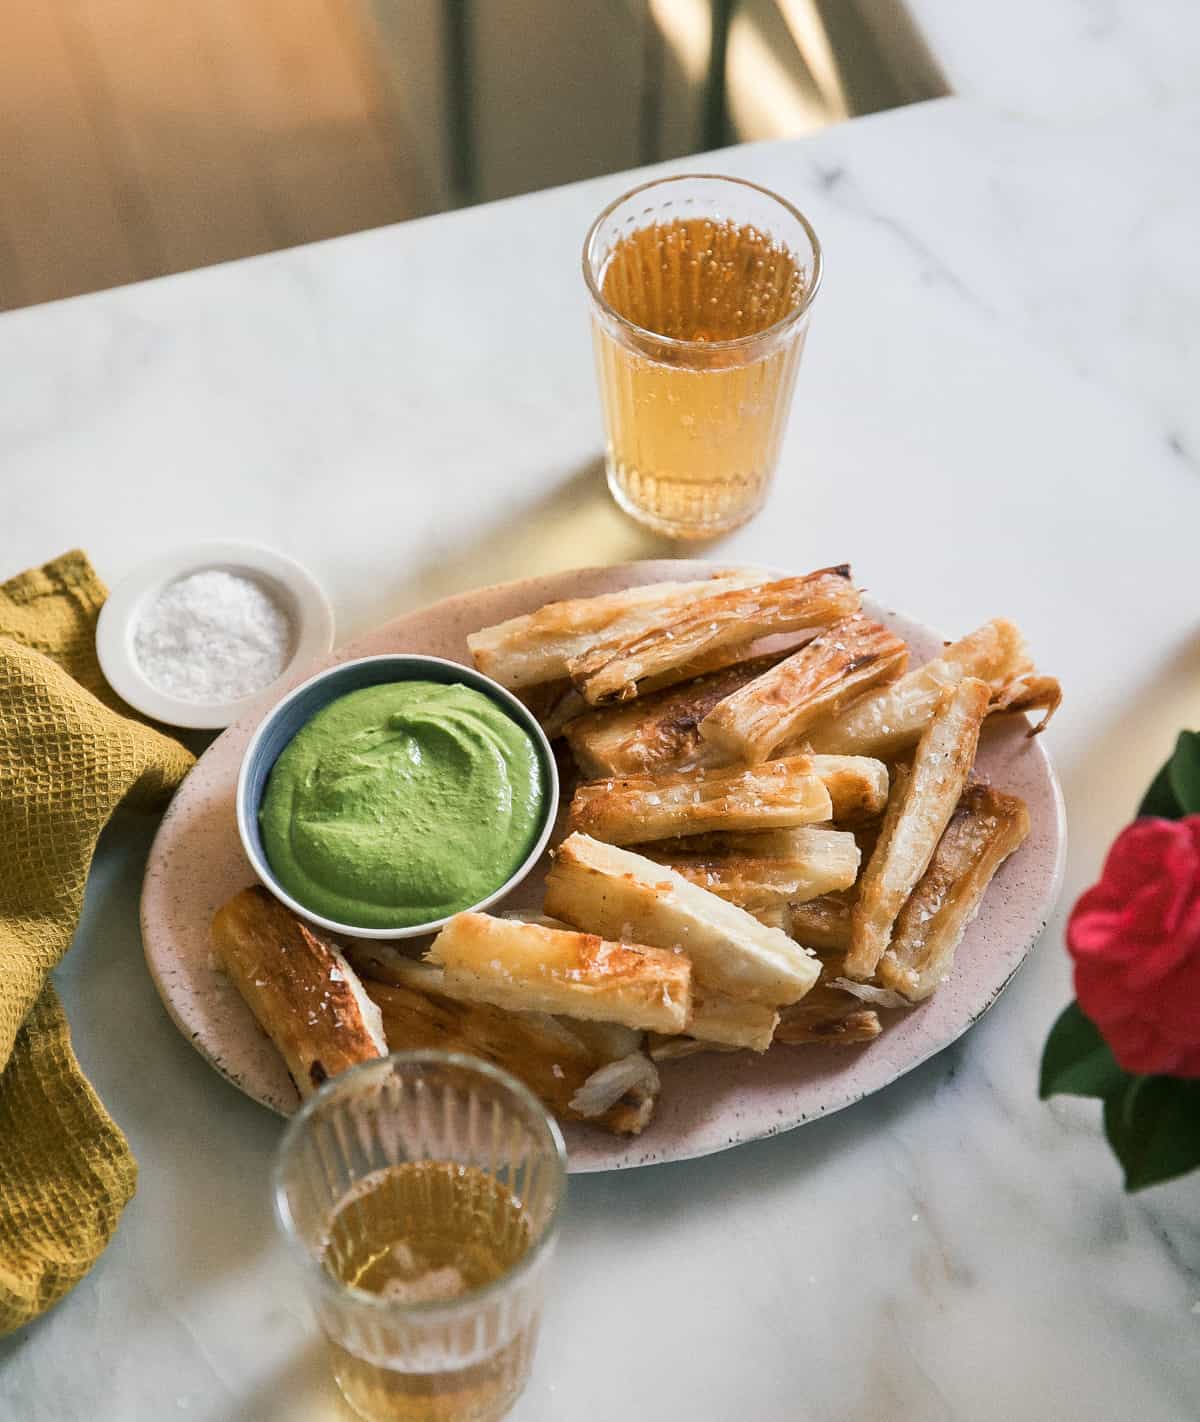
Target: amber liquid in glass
x=694, y=433
x=423, y=1233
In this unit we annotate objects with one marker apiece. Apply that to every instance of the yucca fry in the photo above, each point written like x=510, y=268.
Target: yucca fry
x=542, y=698
x=901, y=778
x=779, y=795
x=828, y=1017
x=673, y=1049
x=536, y=647
x=866, y=836
x=731, y=1021
x=385, y=963
x=835, y=668
x=631, y=1082
x=555, y=704
x=301, y=990
x=581, y=1069
x=657, y=732
x=547, y=1055
x=822, y=924
x=719, y=1023
x=1028, y=693
x=857, y=785
x=762, y=844
x=887, y=723
x=527, y=968
x=613, y=669
x=622, y=894
x=831, y=1014
x=984, y=830
x=382, y=962
x=823, y=861
x=858, y=791
x=610, y=1040
x=924, y=802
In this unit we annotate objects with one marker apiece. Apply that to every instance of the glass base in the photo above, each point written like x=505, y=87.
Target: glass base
x=694, y=523
x=386, y=1399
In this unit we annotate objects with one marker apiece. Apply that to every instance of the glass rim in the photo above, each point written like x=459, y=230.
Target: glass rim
x=675, y=342
x=341, y=1084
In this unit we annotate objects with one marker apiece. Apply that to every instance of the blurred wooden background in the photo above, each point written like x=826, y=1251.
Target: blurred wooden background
x=140, y=137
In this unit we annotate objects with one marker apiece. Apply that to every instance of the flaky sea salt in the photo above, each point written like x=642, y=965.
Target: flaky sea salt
x=211, y=637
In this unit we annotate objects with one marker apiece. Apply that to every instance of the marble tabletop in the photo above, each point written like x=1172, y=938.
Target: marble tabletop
x=996, y=414
x=1066, y=59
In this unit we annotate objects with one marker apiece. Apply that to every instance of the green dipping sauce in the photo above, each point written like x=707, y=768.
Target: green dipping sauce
x=402, y=803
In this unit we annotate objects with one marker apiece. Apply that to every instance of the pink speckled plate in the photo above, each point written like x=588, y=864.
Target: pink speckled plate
x=708, y=1102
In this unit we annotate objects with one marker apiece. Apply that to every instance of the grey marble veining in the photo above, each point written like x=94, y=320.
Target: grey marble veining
x=996, y=415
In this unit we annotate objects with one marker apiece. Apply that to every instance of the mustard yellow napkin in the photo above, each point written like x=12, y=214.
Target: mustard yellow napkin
x=70, y=752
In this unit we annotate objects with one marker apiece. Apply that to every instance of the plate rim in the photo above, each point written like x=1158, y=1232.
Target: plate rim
x=665, y=568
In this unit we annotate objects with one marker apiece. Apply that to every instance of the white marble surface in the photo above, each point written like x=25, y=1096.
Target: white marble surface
x=997, y=414
x=1066, y=60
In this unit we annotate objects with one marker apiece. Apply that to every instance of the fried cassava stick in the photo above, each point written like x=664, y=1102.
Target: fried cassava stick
x=823, y=862
x=613, y=669
x=779, y=795
x=889, y=722
x=827, y=1017
x=984, y=830
x=857, y=785
x=527, y=968
x=660, y=732
x=731, y=1021
x=551, y=1059
x=823, y=923
x=537, y=646
x=624, y=895
x=303, y=993
x=827, y=674
x=923, y=802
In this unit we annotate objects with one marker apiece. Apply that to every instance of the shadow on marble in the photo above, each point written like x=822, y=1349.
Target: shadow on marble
x=576, y=524
x=1136, y=742
x=301, y=1389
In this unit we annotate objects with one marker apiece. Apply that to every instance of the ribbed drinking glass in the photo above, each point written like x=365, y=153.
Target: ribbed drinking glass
x=701, y=291
x=421, y=1194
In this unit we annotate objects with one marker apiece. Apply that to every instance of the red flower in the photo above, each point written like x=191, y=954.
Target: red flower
x=1135, y=938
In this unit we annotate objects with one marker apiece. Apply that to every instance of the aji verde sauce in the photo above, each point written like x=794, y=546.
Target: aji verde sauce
x=402, y=803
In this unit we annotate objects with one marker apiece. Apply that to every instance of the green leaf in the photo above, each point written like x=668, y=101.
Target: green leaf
x=1077, y=1060
x=1175, y=790
x=1153, y=1126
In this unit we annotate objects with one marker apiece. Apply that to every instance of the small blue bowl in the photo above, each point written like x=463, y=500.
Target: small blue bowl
x=296, y=709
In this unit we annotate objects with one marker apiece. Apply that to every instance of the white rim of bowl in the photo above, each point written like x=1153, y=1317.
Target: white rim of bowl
x=516, y=710
x=295, y=586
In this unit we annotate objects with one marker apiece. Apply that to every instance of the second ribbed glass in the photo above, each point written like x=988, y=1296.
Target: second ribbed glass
x=421, y=1193
x=701, y=290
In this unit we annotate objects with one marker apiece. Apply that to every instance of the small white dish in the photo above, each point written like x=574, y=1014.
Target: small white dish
x=296, y=590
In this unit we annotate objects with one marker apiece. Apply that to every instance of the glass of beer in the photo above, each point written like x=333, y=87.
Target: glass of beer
x=421, y=1193
x=701, y=290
